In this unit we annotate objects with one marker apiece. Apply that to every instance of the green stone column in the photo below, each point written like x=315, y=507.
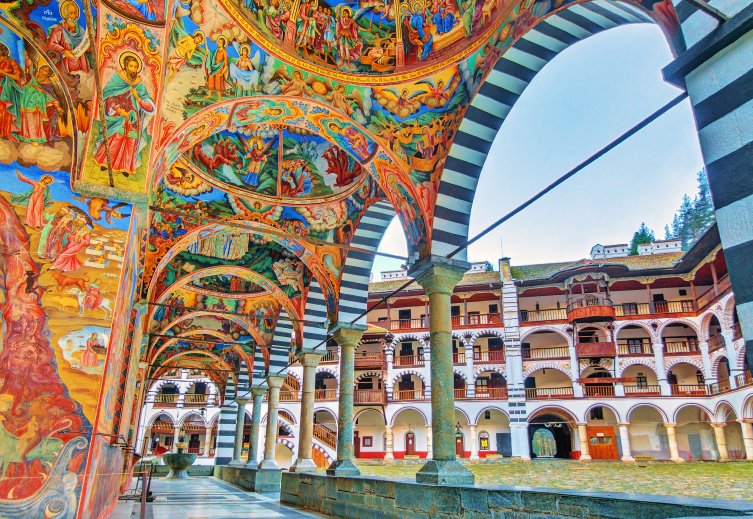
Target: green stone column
x=347, y=337
x=253, y=441
x=270, y=441
x=438, y=277
x=305, y=463
x=240, y=420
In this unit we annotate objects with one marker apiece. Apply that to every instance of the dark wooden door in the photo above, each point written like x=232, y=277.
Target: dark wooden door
x=602, y=443
x=357, y=444
x=459, y=448
x=410, y=444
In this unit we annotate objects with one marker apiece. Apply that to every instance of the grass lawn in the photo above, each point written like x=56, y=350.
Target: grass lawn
x=692, y=479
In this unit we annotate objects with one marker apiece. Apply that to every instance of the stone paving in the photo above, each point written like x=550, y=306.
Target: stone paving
x=691, y=479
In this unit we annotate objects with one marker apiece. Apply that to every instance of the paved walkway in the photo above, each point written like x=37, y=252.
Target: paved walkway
x=207, y=498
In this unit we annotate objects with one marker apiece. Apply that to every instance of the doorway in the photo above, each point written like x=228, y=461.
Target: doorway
x=459, y=447
x=357, y=444
x=410, y=444
x=602, y=443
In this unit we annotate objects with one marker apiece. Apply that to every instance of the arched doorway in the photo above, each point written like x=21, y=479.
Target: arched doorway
x=410, y=443
x=459, y=444
x=409, y=424
x=557, y=423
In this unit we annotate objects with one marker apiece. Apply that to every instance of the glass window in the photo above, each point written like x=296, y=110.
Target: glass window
x=483, y=439
x=597, y=413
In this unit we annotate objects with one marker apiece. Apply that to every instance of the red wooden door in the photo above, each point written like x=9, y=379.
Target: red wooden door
x=357, y=444
x=459, y=449
x=410, y=444
x=602, y=444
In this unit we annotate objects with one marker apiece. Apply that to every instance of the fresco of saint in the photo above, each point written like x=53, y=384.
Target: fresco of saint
x=70, y=39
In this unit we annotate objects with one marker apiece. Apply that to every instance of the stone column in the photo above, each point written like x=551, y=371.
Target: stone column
x=674, y=450
x=240, y=420
x=438, y=277
x=347, y=336
x=721, y=440
x=429, y=450
x=176, y=433
x=729, y=343
x=474, y=442
x=270, y=441
x=520, y=443
x=389, y=457
x=148, y=441
x=707, y=373
x=627, y=453
x=207, y=441
x=661, y=372
x=575, y=370
x=746, y=424
x=583, y=436
x=305, y=462
x=253, y=440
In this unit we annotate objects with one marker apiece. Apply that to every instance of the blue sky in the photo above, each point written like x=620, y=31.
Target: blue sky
x=582, y=100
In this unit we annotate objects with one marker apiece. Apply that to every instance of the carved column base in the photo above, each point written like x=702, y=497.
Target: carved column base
x=344, y=468
x=304, y=465
x=444, y=472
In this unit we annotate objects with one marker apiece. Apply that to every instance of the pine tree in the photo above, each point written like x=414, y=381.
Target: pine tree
x=667, y=233
x=688, y=230
x=642, y=235
x=676, y=225
x=703, y=209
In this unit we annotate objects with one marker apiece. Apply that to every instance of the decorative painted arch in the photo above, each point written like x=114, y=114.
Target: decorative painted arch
x=565, y=413
x=685, y=406
x=405, y=337
x=331, y=370
x=546, y=365
x=462, y=375
x=409, y=408
x=498, y=86
x=492, y=408
x=709, y=314
x=498, y=368
x=715, y=364
x=616, y=414
x=553, y=329
x=157, y=385
x=287, y=443
x=408, y=372
x=153, y=419
x=306, y=114
x=621, y=325
x=729, y=312
x=637, y=361
x=598, y=326
x=368, y=374
x=669, y=363
x=185, y=336
x=719, y=416
x=235, y=319
x=747, y=408
x=210, y=385
x=332, y=413
x=188, y=415
x=655, y=407
x=322, y=450
x=688, y=322
x=213, y=421
x=223, y=365
x=481, y=333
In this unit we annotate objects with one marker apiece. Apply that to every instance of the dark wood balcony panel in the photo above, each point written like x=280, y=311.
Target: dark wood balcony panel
x=488, y=357
x=495, y=393
x=535, y=316
x=408, y=360
x=549, y=392
x=595, y=349
x=560, y=352
x=369, y=397
x=648, y=390
x=689, y=390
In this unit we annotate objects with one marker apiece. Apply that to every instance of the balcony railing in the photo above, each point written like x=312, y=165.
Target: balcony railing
x=165, y=400
x=325, y=394
x=422, y=323
x=368, y=396
x=491, y=392
x=368, y=359
x=673, y=307
x=485, y=357
x=330, y=358
x=590, y=307
x=410, y=394
x=195, y=450
x=286, y=395
x=162, y=426
x=458, y=358
x=688, y=347
x=719, y=387
x=460, y=393
x=744, y=379
x=549, y=392
x=406, y=324
x=689, y=390
x=632, y=309
x=481, y=319
x=710, y=295
x=598, y=391
x=196, y=400
x=409, y=360
x=716, y=342
x=648, y=390
x=533, y=316
x=635, y=348
x=560, y=352
x=326, y=436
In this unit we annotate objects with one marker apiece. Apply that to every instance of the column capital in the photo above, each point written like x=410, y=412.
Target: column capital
x=670, y=425
x=718, y=425
x=310, y=359
x=347, y=334
x=745, y=420
x=622, y=424
x=438, y=275
x=242, y=401
x=275, y=381
x=258, y=391
x=581, y=424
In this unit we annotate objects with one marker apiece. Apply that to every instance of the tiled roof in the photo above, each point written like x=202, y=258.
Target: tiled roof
x=547, y=270
x=475, y=278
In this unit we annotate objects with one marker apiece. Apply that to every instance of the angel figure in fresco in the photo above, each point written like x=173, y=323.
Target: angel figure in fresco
x=349, y=44
x=295, y=85
x=36, y=200
x=243, y=72
x=350, y=139
x=217, y=66
x=256, y=156
x=128, y=106
x=70, y=39
x=407, y=210
x=100, y=206
x=399, y=103
x=341, y=100
x=183, y=52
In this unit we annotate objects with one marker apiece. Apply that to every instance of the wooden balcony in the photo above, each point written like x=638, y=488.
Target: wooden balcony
x=482, y=319
x=331, y=357
x=595, y=349
x=560, y=352
x=285, y=396
x=326, y=436
x=496, y=393
x=687, y=347
x=368, y=360
x=488, y=357
x=369, y=397
x=744, y=379
x=642, y=390
x=195, y=450
x=409, y=360
x=712, y=294
x=458, y=321
x=163, y=427
x=410, y=394
x=535, y=316
x=716, y=342
x=590, y=309
x=193, y=428
x=325, y=394
x=540, y=393
x=458, y=359
x=598, y=391
x=689, y=390
x=166, y=401
x=460, y=394
x=635, y=349
x=720, y=387
x=196, y=401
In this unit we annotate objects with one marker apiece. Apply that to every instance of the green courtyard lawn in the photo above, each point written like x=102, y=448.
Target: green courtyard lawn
x=732, y=480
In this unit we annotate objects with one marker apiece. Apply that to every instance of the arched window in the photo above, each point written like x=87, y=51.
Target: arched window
x=483, y=441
